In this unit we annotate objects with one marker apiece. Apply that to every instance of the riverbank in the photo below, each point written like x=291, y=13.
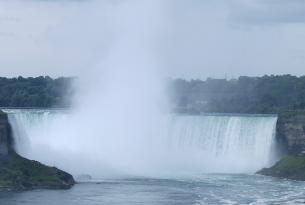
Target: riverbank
x=289, y=167
x=18, y=173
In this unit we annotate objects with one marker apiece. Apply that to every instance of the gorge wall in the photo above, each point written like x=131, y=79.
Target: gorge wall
x=291, y=131
x=4, y=135
x=291, y=135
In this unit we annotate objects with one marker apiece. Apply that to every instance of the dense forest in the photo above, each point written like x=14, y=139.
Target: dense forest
x=267, y=94
x=35, y=92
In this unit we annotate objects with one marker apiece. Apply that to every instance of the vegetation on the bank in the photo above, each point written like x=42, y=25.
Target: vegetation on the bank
x=18, y=173
x=267, y=94
x=289, y=167
x=35, y=92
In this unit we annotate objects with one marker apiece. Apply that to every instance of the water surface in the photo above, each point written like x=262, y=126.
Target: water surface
x=204, y=189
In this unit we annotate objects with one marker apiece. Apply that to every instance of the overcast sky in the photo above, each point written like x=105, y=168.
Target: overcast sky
x=201, y=38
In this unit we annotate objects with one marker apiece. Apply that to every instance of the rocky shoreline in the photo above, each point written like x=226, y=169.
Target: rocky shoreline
x=18, y=173
x=290, y=135
x=289, y=167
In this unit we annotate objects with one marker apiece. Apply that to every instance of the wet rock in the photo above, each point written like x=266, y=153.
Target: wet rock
x=291, y=131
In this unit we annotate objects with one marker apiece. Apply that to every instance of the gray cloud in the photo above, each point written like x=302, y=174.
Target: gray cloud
x=200, y=39
x=268, y=11
x=208, y=42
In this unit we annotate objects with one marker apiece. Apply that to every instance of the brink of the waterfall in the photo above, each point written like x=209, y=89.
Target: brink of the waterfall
x=18, y=173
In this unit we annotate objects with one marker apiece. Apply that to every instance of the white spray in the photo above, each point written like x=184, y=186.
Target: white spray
x=118, y=126
x=115, y=125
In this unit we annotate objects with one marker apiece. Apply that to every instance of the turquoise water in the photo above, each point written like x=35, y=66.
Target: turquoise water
x=205, y=189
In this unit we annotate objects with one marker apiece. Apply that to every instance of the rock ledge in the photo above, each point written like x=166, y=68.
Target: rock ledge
x=290, y=167
x=18, y=173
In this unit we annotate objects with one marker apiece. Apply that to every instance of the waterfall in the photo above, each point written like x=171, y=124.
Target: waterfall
x=190, y=143
x=226, y=143
x=33, y=126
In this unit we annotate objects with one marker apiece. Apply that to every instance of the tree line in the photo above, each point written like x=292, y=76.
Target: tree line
x=40, y=92
x=267, y=94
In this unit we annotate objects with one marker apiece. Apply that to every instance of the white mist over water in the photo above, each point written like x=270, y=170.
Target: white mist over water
x=115, y=125
x=118, y=126
x=116, y=122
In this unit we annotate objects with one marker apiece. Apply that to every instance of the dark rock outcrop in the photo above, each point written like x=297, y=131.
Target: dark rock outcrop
x=18, y=173
x=4, y=133
x=289, y=167
x=291, y=131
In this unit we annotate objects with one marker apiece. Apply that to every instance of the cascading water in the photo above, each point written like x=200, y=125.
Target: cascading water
x=225, y=143
x=191, y=143
x=31, y=128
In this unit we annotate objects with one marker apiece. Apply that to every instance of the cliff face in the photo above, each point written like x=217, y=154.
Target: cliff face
x=4, y=133
x=18, y=173
x=291, y=134
x=291, y=131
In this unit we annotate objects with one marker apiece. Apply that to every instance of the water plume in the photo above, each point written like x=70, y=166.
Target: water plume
x=115, y=121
